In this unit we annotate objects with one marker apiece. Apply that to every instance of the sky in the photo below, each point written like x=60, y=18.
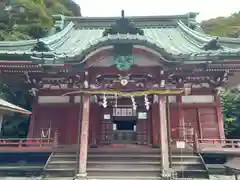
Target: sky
x=207, y=8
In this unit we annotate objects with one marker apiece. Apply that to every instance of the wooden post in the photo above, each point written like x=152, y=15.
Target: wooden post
x=196, y=143
x=168, y=118
x=164, y=137
x=82, y=173
x=181, y=118
x=79, y=135
x=55, y=138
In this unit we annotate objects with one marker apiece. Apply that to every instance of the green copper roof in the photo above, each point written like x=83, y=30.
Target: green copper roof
x=170, y=36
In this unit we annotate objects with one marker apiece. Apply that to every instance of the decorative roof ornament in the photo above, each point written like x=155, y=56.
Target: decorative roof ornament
x=123, y=26
x=124, y=63
x=123, y=52
x=40, y=47
x=212, y=45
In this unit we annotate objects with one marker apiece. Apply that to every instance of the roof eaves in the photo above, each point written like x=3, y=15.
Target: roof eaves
x=120, y=38
x=26, y=45
x=50, y=40
x=136, y=39
x=7, y=106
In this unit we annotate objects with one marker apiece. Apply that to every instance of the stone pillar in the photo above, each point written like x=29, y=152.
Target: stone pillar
x=164, y=136
x=82, y=172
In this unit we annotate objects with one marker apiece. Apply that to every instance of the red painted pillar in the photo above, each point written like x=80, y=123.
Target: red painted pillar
x=94, y=125
x=32, y=121
x=84, y=139
x=155, y=124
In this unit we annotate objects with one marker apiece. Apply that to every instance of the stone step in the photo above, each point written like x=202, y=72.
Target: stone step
x=123, y=155
x=131, y=168
x=59, y=172
x=148, y=158
x=62, y=162
x=60, y=169
x=137, y=150
x=134, y=155
x=64, y=155
x=104, y=178
x=124, y=162
x=123, y=174
x=141, y=162
x=58, y=178
x=125, y=178
x=63, y=158
x=124, y=151
x=61, y=166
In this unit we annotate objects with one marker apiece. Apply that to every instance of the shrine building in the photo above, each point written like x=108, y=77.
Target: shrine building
x=147, y=83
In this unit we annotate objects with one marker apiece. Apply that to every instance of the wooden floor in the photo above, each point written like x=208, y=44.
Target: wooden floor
x=73, y=148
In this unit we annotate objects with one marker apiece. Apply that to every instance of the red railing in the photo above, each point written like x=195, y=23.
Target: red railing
x=26, y=142
x=29, y=142
x=223, y=143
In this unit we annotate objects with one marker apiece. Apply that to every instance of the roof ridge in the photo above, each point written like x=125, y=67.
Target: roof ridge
x=175, y=16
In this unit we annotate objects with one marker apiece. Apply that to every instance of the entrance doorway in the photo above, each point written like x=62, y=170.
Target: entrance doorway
x=124, y=131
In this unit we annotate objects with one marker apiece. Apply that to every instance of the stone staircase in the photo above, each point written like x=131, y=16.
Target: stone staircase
x=141, y=163
x=120, y=163
x=188, y=164
x=60, y=165
x=125, y=163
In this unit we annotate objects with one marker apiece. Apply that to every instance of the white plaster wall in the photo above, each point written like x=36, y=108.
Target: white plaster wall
x=198, y=99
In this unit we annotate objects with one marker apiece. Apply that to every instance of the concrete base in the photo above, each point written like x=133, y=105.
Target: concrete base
x=81, y=176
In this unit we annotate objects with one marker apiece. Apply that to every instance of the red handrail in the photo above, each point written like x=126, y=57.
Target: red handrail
x=23, y=142
x=224, y=143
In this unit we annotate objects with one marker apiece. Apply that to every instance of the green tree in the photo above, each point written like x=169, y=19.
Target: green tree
x=27, y=19
x=230, y=100
x=15, y=125
x=223, y=26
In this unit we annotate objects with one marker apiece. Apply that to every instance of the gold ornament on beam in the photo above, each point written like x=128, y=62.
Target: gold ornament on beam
x=124, y=82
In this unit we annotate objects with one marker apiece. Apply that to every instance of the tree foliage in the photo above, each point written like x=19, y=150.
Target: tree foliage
x=230, y=100
x=15, y=125
x=27, y=19
x=223, y=26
